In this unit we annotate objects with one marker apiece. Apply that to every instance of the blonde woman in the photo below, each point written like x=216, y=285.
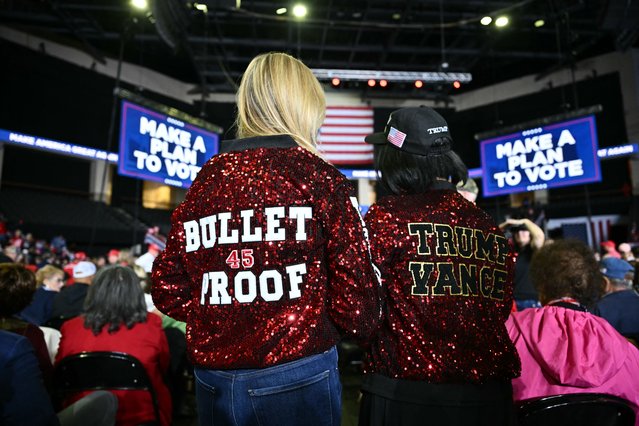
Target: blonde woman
x=267, y=261
x=50, y=280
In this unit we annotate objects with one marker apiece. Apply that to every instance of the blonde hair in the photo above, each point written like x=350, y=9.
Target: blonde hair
x=47, y=272
x=280, y=95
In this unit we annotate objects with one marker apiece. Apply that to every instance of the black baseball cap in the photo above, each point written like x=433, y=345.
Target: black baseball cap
x=414, y=130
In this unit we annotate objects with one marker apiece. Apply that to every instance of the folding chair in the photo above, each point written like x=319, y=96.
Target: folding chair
x=103, y=371
x=582, y=409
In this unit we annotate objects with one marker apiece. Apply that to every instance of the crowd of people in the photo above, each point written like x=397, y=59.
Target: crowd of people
x=269, y=264
x=68, y=304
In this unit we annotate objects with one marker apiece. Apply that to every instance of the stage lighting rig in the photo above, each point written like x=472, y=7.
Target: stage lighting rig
x=393, y=76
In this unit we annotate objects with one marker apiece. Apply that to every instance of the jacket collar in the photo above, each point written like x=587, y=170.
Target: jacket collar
x=275, y=141
x=442, y=185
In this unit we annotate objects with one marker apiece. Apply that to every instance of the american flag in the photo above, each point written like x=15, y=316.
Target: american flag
x=341, y=139
x=396, y=137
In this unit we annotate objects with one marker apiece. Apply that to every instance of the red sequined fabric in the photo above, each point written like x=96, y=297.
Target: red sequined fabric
x=266, y=260
x=447, y=273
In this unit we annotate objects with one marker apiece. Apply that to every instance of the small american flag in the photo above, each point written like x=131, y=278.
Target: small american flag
x=396, y=137
x=341, y=139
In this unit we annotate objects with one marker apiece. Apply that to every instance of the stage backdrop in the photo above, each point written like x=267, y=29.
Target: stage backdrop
x=341, y=138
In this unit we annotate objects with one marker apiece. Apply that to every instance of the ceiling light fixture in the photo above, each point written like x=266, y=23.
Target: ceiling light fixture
x=140, y=4
x=299, y=11
x=502, y=21
x=281, y=11
x=539, y=23
x=202, y=7
x=486, y=20
x=392, y=76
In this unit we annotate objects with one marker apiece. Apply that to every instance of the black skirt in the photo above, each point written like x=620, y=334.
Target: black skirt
x=387, y=401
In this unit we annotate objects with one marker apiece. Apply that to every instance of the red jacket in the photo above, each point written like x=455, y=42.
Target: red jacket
x=267, y=260
x=448, y=275
x=145, y=341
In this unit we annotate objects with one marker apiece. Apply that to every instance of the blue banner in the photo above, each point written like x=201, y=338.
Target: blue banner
x=58, y=147
x=559, y=154
x=161, y=148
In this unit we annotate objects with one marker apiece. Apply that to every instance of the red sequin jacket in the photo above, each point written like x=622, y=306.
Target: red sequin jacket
x=448, y=276
x=267, y=260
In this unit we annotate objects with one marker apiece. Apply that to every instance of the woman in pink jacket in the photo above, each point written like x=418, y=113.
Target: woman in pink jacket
x=563, y=348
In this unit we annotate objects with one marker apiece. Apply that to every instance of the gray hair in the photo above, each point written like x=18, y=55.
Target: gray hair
x=115, y=298
x=625, y=282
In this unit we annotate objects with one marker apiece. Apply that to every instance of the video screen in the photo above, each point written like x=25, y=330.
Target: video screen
x=554, y=155
x=158, y=147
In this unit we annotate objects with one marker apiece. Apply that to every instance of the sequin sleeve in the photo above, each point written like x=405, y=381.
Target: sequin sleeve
x=170, y=291
x=379, y=252
x=355, y=304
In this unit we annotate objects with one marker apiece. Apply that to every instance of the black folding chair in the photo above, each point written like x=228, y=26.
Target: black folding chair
x=103, y=371
x=582, y=409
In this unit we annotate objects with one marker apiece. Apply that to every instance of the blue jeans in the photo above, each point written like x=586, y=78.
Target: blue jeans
x=303, y=392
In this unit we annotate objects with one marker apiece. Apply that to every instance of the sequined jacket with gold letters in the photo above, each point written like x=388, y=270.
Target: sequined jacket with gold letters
x=448, y=274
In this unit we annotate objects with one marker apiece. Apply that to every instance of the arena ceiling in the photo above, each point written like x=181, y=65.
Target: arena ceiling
x=212, y=49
